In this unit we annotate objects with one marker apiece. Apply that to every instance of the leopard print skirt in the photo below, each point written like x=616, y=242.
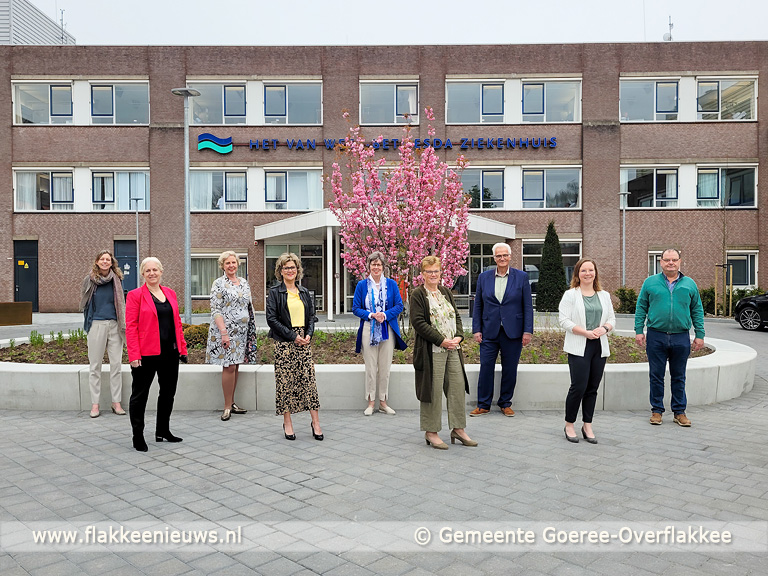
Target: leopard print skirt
x=295, y=383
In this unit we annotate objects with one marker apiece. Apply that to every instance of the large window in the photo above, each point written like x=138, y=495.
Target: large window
x=726, y=99
x=726, y=187
x=389, y=103
x=744, y=267
x=484, y=187
x=294, y=190
x=120, y=103
x=292, y=103
x=43, y=103
x=551, y=188
x=571, y=251
x=650, y=187
x=551, y=101
x=218, y=104
x=120, y=190
x=44, y=191
x=205, y=269
x=311, y=256
x=474, y=102
x=218, y=190
x=648, y=100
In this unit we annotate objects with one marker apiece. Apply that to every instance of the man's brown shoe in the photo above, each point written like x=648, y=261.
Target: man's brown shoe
x=655, y=419
x=479, y=412
x=507, y=411
x=682, y=420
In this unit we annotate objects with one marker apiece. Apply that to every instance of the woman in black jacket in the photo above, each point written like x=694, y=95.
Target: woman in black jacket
x=291, y=320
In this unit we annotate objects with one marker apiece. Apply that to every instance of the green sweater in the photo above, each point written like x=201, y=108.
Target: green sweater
x=667, y=311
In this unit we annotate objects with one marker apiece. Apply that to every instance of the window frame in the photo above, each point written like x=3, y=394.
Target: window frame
x=656, y=199
x=396, y=85
x=753, y=266
x=223, y=203
x=286, y=102
x=655, y=104
x=719, y=197
x=545, y=83
x=221, y=85
x=719, y=80
x=544, y=170
x=51, y=173
x=482, y=84
x=100, y=174
x=242, y=261
x=17, y=112
x=540, y=241
x=483, y=171
x=285, y=171
x=114, y=103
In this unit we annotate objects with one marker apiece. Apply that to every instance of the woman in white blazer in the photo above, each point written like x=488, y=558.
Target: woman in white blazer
x=586, y=315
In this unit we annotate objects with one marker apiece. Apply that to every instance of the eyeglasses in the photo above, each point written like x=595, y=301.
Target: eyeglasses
x=431, y=272
x=502, y=256
x=289, y=268
x=670, y=260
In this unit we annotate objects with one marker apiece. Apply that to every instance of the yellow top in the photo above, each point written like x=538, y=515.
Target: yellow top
x=296, y=310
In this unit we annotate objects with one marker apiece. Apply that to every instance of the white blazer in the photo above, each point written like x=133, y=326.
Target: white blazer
x=572, y=313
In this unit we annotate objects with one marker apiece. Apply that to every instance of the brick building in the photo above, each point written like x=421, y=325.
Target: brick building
x=92, y=142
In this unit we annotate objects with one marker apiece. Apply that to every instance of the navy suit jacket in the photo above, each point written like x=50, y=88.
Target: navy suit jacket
x=514, y=312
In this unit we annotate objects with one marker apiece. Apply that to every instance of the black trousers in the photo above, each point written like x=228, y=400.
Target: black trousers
x=586, y=373
x=166, y=366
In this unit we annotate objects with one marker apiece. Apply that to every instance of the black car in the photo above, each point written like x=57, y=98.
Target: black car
x=752, y=312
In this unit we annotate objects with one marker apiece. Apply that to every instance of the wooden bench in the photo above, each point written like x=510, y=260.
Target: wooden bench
x=15, y=313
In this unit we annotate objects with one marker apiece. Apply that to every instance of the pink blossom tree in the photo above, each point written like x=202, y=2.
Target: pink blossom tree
x=408, y=211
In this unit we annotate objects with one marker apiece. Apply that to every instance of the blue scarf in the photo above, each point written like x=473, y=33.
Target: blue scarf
x=373, y=304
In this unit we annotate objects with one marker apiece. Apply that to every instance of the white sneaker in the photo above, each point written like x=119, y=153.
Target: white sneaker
x=368, y=411
x=387, y=410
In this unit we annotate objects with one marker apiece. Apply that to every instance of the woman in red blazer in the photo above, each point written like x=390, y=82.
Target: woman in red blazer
x=155, y=344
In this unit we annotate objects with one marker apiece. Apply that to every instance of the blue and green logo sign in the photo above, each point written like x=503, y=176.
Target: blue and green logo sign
x=220, y=145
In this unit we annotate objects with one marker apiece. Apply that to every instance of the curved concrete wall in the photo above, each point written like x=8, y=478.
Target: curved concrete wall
x=727, y=373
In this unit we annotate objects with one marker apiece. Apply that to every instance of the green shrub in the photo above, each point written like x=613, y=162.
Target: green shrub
x=627, y=300
x=36, y=339
x=708, y=299
x=196, y=335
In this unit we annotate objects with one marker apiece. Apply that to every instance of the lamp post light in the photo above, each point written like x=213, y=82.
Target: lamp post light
x=623, y=195
x=187, y=92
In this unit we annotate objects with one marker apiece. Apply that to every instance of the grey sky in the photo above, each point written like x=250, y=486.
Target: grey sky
x=354, y=22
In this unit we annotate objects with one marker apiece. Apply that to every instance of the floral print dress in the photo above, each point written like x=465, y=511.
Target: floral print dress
x=231, y=302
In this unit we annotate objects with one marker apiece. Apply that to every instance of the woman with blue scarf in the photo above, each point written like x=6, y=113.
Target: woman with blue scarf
x=378, y=304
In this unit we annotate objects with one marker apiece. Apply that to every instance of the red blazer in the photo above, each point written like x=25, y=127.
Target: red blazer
x=142, y=333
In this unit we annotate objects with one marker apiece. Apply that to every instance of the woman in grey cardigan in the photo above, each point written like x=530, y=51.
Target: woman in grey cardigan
x=437, y=358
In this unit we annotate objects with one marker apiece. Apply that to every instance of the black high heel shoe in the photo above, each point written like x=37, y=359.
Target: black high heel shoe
x=140, y=444
x=574, y=439
x=592, y=440
x=167, y=436
x=315, y=436
x=288, y=436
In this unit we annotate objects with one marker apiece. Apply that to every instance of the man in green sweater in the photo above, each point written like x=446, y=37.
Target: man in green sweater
x=669, y=303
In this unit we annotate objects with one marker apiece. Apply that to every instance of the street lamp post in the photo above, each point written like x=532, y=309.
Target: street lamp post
x=623, y=199
x=187, y=93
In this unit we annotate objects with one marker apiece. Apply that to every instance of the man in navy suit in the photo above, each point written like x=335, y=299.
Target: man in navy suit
x=502, y=322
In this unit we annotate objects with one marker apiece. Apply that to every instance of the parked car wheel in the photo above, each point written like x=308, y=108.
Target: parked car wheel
x=749, y=319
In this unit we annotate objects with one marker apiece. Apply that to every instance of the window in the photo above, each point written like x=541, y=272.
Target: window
x=571, y=251
x=205, y=269
x=649, y=187
x=654, y=263
x=551, y=188
x=726, y=99
x=293, y=103
x=551, y=101
x=382, y=103
x=43, y=103
x=120, y=103
x=44, y=191
x=744, y=268
x=648, y=100
x=218, y=190
x=474, y=103
x=294, y=190
x=120, y=190
x=311, y=256
x=726, y=187
x=218, y=104
x=490, y=182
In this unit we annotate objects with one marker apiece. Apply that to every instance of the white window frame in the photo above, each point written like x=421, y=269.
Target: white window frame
x=285, y=84
x=399, y=119
x=243, y=261
x=654, y=262
x=545, y=169
x=53, y=206
x=656, y=200
x=544, y=82
x=286, y=170
x=113, y=116
x=223, y=204
x=223, y=84
x=483, y=170
x=68, y=118
x=482, y=83
x=657, y=115
x=747, y=255
x=147, y=200
x=719, y=198
x=719, y=112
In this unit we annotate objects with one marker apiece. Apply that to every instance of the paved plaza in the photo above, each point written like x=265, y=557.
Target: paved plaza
x=367, y=498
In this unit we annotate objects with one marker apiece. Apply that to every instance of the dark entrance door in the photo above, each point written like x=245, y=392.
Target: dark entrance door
x=125, y=253
x=25, y=272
